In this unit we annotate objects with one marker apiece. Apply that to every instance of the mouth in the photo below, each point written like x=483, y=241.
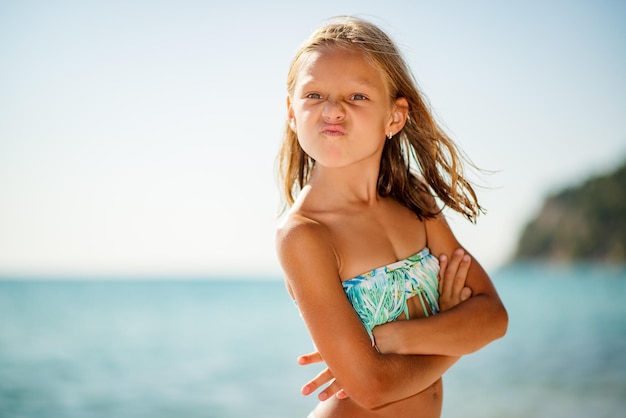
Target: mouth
x=332, y=130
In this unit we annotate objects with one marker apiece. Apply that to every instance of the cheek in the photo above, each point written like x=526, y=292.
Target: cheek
x=307, y=141
x=304, y=140
x=302, y=122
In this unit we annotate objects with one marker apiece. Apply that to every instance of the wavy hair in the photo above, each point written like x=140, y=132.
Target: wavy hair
x=422, y=142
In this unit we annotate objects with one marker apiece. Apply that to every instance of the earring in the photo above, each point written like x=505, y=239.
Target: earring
x=390, y=135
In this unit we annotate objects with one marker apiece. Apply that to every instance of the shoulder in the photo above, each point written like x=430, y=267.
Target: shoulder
x=304, y=244
x=439, y=235
x=297, y=229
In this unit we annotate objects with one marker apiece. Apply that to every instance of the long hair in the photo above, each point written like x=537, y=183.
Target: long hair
x=421, y=142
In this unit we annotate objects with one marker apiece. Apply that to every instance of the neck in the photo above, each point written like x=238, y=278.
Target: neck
x=346, y=185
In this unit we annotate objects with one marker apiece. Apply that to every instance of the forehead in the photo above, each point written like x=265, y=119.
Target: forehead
x=340, y=65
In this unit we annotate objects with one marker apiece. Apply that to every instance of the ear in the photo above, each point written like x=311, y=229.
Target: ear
x=290, y=115
x=399, y=114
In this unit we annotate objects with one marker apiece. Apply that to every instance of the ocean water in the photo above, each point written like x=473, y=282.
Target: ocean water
x=227, y=348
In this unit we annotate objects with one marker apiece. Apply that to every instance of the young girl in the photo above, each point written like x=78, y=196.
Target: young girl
x=362, y=164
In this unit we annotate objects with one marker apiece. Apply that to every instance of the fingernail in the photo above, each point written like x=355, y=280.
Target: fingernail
x=322, y=396
x=305, y=390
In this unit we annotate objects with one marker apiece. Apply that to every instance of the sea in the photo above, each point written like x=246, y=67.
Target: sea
x=227, y=348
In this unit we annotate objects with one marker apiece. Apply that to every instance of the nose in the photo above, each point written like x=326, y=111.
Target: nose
x=333, y=112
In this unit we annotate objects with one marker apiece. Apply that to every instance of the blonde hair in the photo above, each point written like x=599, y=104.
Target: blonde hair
x=421, y=139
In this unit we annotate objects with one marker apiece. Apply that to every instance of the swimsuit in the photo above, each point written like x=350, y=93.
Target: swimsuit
x=379, y=296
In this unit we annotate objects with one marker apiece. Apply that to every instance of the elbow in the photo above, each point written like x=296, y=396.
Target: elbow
x=502, y=322
x=494, y=326
x=375, y=403
x=370, y=402
x=498, y=319
x=375, y=396
x=371, y=399
x=499, y=323
x=369, y=389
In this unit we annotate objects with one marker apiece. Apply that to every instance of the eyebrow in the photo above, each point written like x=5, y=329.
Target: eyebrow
x=367, y=83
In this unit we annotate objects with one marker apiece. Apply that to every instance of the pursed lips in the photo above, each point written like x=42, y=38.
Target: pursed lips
x=332, y=130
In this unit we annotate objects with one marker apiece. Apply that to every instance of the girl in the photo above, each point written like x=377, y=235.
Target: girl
x=362, y=164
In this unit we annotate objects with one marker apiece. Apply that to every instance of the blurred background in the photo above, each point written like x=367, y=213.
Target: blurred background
x=138, y=201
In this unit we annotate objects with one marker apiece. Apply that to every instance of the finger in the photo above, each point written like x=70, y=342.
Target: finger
x=443, y=265
x=342, y=394
x=318, y=381
x=461, y=275
x=310, y=358
x=331, y=390
x=466, y=293
x=451, y=272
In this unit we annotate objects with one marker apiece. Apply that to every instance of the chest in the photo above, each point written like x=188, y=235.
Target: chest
x=368, y=239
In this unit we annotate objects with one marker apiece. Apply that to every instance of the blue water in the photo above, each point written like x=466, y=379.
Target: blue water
x=228, y=348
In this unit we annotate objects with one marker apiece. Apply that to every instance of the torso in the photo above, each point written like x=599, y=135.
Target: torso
x=426, y=404
x=364, y=240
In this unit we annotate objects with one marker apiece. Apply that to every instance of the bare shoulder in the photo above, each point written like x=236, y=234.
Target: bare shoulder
x=441, y=239
x=305, y=250
x=298, y=230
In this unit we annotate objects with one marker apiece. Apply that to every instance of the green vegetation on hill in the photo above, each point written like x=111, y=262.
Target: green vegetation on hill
x=583, y=223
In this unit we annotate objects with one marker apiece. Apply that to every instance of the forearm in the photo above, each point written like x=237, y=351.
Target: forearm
x=462, y=330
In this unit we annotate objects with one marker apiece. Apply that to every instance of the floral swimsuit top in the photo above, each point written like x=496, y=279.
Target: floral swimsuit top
x=379, y=296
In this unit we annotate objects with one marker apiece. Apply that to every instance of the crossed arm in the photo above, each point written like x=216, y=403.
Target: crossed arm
x=374, y=378
x=452, y=291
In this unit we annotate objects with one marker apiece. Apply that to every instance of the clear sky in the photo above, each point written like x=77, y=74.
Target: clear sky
x=138, y=137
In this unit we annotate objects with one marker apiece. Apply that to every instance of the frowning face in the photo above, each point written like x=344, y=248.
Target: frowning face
x=341, y=108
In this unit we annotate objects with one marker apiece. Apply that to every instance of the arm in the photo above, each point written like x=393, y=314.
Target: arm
x=452, y=291
x=370, y=378
x=463, y=329
x=434, y=368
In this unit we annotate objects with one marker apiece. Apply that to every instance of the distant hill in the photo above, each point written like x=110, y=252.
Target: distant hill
x=583, y=223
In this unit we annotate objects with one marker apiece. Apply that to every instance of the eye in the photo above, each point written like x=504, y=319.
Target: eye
x=358, y=97
x=313, y=96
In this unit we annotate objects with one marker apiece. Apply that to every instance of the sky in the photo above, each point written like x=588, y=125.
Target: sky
x=137, y=138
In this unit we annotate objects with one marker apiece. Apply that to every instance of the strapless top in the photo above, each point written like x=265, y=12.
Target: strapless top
x=380, y=295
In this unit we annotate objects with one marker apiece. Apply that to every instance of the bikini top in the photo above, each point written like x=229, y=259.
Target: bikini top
x=379, y=296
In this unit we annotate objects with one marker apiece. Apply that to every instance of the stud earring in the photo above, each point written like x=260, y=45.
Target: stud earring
x=390, y=135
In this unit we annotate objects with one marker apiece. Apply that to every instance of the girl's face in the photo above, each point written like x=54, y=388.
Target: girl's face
x=341, y=109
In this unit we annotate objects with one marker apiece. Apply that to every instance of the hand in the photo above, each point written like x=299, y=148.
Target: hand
x=452, y=277
x=325, y=376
